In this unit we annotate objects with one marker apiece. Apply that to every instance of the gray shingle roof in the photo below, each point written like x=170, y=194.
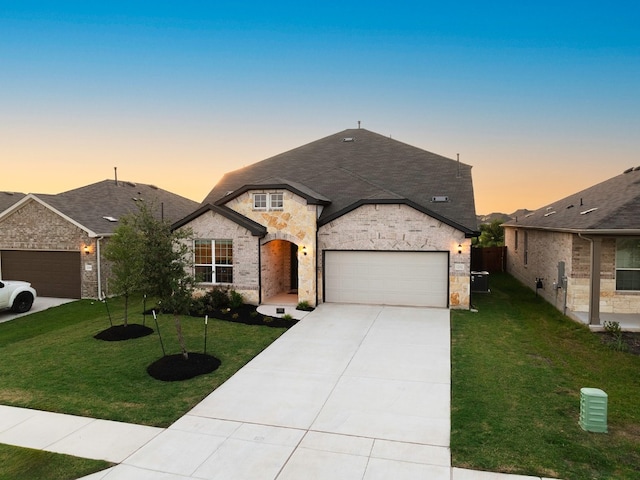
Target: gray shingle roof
x=89, y=205
x=9, y=198
x=372, y=167
x=255, y=228
x=611, y=205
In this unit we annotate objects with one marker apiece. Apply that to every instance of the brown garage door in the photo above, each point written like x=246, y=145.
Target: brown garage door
x=52, y=274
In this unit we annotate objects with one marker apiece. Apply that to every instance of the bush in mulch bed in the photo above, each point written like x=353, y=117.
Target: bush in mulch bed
x=172, y=368
x=245, y=313
x=118, y=333
x=248, y=315
x=625, y=341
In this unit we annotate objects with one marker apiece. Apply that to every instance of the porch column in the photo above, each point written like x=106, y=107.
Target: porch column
x=594, y=282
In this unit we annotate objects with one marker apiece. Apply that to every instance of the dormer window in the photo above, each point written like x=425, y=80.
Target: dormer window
x=268, y=201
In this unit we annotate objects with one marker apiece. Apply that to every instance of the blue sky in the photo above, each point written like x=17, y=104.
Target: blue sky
x=541, y=98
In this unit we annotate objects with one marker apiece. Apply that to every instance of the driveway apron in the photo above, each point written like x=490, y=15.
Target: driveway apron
x=350, y=392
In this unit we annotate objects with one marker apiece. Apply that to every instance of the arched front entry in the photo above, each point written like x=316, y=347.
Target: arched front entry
x=279, y=272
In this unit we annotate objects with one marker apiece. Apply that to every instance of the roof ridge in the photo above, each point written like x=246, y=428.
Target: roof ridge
x=367, y=181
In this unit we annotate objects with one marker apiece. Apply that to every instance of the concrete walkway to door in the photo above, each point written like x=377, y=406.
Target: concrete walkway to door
x=350, y=392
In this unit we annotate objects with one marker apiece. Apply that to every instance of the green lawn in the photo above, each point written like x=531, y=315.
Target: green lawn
x=50, y=361
x=23, y=463
x=517, y=369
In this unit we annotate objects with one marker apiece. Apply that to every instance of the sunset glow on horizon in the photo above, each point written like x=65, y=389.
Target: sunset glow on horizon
x=541, y=100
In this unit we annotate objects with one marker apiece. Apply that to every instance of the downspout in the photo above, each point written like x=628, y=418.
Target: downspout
x=594, y=280
x=259, y=271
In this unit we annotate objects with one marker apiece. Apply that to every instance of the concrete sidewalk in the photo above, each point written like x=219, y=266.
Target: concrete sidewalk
x=350, y=392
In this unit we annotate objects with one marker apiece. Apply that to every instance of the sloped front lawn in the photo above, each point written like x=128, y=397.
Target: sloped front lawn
x=517, y=369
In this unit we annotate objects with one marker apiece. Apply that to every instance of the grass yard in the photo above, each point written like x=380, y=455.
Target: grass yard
x=50, y=361
x=23, y=463
x=517, y=369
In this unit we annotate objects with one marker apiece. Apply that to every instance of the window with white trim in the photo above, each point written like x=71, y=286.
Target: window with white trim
x=213, y=261
x=259, y=201
x=628, y=264
x=276, y=201
x=268, y=201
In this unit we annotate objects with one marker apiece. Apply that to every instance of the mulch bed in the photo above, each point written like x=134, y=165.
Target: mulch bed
x=630, y=339
x=172, y=368
x=118, y=333
x=248, y=315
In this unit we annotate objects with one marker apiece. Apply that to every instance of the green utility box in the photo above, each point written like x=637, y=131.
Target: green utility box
x=593, y=410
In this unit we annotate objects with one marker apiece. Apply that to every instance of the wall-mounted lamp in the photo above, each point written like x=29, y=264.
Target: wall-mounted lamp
x=304, y=249
x=86, y=249
x=459, y=248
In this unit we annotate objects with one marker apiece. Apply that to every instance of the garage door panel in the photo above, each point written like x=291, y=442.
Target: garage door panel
x=392, y=278
x=52, y=274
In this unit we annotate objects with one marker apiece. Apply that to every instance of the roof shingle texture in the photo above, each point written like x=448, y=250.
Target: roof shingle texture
x=610, y=205
x=9, y=198
x=89, y=204
x=371, y=167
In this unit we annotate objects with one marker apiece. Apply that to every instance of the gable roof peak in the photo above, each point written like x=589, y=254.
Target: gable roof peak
x=358, y=164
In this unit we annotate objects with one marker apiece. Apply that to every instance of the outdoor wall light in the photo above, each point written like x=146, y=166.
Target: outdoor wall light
x=86, y=249
x=459, y=248
x=304, y=249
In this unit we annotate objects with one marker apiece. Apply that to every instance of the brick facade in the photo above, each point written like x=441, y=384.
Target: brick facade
x=545, y=249
x=32, y=226
x=246, y=271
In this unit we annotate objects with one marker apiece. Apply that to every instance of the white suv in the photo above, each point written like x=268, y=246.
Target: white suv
x=18, y=296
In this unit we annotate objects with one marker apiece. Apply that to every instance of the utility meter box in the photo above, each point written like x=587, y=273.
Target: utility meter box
x=593, y=410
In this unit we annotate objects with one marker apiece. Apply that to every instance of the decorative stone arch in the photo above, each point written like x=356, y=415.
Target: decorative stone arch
x=279, y=265
x=279, y=235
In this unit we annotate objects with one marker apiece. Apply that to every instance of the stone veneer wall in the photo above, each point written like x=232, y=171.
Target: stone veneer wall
x=35, y=227
x=400, y=227
x=295, y=223
x=246, y=262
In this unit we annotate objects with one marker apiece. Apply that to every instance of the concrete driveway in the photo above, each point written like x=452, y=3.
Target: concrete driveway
x=350, y=392
x=39, y=304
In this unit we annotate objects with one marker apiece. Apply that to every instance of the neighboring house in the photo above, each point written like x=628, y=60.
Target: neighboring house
x=583, y=252
x=355, y=217
x=55, y=241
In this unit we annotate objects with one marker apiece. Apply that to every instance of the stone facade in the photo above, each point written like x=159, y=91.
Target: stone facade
x=545, y=249
x=400, y=227
x=295, y=223
x=291, y=239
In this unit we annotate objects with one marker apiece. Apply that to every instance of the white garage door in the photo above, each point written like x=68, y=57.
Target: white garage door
x=388, y=278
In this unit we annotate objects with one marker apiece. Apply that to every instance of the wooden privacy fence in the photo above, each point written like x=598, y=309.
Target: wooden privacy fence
x=489, y=259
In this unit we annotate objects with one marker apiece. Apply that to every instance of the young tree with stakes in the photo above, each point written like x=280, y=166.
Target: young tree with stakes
x=166, y=258
x=124, y=251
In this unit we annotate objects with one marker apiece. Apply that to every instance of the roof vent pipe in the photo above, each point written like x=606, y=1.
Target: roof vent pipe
x=458, y=174
x=115, y=169
x=358, y=124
